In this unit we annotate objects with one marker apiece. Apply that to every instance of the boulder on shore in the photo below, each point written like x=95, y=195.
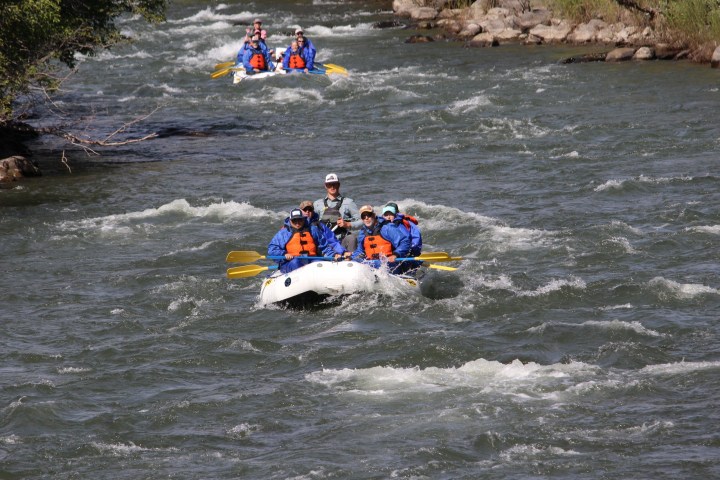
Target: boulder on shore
x=16, y=167
x=715, y=60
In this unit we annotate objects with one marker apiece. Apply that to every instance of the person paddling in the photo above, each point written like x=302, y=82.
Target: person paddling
x=392, y=213
x=305, y=44
x=381, y=239
x=256, y=58
x=339, y=213
x=296, y=59
x=297, y=238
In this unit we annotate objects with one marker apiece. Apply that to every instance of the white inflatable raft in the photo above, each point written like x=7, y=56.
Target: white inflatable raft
x=316, y=282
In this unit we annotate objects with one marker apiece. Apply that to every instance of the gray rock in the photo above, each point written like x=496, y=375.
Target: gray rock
x=715, y=60
x=644, y=53
x=555, y=33
x=16, y=167
x=620, y=54
x=483, y=40
x=528, y=20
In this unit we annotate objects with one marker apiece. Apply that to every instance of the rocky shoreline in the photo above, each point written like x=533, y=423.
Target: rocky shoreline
x=488, y=23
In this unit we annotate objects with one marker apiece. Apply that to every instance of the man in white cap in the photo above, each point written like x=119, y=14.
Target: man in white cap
x=339, y=213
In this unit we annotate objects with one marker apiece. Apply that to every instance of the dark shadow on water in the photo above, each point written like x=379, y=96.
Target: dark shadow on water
x=437, y=285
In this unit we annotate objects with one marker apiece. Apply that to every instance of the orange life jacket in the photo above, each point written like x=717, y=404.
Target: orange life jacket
x=258, y=61
x=375, y=245
x=301, y=243
x=296, y=60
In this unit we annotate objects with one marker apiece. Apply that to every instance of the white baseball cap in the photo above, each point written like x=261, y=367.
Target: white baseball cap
x=332, y=178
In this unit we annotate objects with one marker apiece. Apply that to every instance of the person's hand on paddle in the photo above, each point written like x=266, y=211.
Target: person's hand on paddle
x=343, y=224
x=289, y=256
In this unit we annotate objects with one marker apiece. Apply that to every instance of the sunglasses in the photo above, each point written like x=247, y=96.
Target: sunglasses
x=332, y=185
x=308, y=209
x=366, y=215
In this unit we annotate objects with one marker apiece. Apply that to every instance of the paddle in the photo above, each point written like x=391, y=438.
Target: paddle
x=442, y=267
x=248, y=256
x=335, y=68
x=225, y=65
x=248, y=270
x=222, y=72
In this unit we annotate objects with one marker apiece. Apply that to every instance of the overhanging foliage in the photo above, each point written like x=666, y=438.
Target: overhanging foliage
x=37, y=36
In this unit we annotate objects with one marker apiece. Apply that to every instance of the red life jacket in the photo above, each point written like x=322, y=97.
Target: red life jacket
x=301, y=242
x=407, y=219
x=296, y=60
x=375, y=245
x=258, y=61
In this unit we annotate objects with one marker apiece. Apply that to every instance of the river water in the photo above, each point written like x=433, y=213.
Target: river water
x=578, y=339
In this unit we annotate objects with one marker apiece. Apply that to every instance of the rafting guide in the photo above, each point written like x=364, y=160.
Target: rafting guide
x=339, y=213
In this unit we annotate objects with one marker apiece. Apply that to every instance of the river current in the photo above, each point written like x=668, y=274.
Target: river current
x=579, y=338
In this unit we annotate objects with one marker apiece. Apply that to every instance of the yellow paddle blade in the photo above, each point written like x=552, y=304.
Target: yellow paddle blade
x=243, y=256
x=221, y=72
x=246, y=271
x=224, y=65
x=337, y=68
x=443, y=267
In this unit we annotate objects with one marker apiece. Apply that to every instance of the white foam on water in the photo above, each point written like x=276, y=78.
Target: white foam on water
x=523, y=453
x=506, y=239
x=244, y=429
x=624, y=243
x=200, y=29
x=109, y=55
x=612, y=325
x=187, y=302
x=521, y=380
x=337, y=31
x=10, y=440
x=461, y=107
x=209, y=14
x=177, y=211
x=617, y=183
x=554, y=286
x=681, y=291
x=66, y=370
x=244, y=345
x=663, y=180
x=284, y=96
x=625, y=226
x=712, y=229
x=610, y=185
x=680, y=368
x=625, y=306
x=125, y=449
x=203, y=246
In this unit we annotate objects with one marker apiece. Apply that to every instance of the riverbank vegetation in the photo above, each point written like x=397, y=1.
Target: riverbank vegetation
x=690, y=23
x=39, y=41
